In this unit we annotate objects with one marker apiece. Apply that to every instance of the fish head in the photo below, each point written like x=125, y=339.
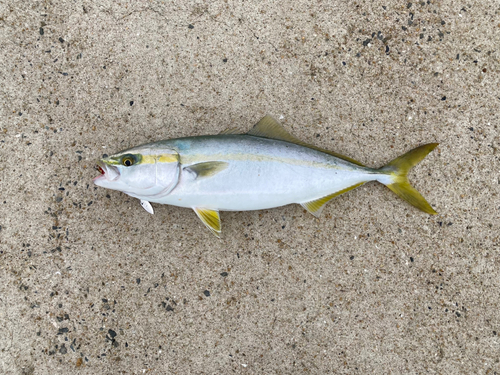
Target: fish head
x=142, y=172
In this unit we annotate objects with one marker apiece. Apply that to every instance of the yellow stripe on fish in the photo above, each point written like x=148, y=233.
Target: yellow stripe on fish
x=162, y=158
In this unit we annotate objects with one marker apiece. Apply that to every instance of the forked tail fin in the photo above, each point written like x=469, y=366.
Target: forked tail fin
x=398, y=170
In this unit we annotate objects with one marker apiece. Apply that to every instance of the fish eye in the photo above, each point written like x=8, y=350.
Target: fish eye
x=128, y=160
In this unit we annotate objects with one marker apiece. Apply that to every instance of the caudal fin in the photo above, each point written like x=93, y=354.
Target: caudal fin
x=398, y=170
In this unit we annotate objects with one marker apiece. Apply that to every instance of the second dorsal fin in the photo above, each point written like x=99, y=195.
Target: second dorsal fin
x=268, y=127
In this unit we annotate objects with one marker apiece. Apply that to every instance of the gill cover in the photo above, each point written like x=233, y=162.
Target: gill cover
x=168, y=171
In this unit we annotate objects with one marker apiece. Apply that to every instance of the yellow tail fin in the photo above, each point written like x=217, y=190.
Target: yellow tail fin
x=398, y=169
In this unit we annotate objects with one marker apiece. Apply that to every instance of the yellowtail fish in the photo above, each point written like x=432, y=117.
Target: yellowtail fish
x=264, y=168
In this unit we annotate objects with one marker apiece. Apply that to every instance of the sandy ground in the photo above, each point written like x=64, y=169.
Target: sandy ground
x=92, y=284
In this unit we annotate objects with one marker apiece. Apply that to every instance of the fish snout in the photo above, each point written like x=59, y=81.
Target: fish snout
x=108, y=172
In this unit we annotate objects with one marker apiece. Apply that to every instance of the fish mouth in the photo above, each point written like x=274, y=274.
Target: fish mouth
x=108, y=172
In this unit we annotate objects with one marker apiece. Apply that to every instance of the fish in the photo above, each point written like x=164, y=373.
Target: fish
x=264, y=168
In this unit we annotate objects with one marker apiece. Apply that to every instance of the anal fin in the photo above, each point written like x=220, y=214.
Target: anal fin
x=210, y=218
x=316, y=206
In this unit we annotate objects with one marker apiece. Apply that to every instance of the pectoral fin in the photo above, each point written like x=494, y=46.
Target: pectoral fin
x=316, y=206
x=207, y=169
x=210, y=218
x=147, y=206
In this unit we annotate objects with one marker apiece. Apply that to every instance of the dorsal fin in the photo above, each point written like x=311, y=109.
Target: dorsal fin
x=268, y=127
x=230, y=131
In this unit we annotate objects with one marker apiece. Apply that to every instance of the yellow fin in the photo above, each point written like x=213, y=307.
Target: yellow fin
x=210, y=218
x=316, y=206
x=268, y=127
x=207, y=169
x=230, y=131
x=398, y=170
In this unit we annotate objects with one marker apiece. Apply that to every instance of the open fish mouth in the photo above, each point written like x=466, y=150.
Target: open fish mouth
x=108, y=172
